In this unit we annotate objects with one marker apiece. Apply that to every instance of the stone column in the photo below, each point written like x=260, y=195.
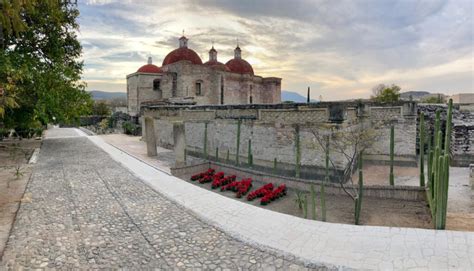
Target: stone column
x=179, y=139
x=150, y=137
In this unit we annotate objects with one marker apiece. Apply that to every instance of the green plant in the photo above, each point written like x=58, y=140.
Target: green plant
x=239, y=123
x=298, y=151
x=227, y=159
x=326, y=179
x=104, y=124
x=422, y=149
x=299, y=199
x=386, y=94
x=392, y=149
x=358, y=202
x=323, y=202
x=305, y=206
x=217, y=154
x=250, y=155
x=439, y=182
x=131, y=128
x=313, y=202
x=204, y=148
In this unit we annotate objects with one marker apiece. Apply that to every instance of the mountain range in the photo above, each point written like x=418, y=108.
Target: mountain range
x=105, y=95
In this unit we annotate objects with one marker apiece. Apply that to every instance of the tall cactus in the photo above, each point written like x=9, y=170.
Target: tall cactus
x=227, y=158
x=239, y=123
x=422, y=149
x=392, y=149
x=305, y=206
x=313, y=202
x=217, y=154
x=358, y=201
x=439, y=170
x=204, y=148
x=326, y=180
x=298, y=151
x=250, y=155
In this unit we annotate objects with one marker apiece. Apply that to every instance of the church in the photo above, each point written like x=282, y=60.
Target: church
x=184, y=79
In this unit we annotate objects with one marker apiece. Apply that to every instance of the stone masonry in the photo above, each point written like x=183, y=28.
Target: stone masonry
x=83, y=210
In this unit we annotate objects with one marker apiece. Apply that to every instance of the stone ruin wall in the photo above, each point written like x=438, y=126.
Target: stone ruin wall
x=272, y=129
x=462, y=140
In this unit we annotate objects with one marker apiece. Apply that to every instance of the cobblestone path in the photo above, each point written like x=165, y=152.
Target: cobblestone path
x=84, y=210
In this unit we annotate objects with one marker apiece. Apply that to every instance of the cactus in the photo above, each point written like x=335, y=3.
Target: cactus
x=239, y=123
x=358, y=201
x=250, y=155
x=392, y=148
x=313, y=202
x=298, y=151
x=227, y=158
x=430, y=159
x=217, y=154
x=204, y=148
x=323, y=202
x=323, y=185
x=305, y=206
x=438, y=170
x=422, y=149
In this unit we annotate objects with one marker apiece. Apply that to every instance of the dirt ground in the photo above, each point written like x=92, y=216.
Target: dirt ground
x=460, y=199
x=340, y=209
x=11, y=186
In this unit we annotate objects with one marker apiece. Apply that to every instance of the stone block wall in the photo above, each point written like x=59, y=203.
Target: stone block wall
x=272, y=130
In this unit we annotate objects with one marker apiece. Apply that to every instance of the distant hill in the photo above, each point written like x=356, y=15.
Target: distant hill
x=293, y=97
x=104, y=95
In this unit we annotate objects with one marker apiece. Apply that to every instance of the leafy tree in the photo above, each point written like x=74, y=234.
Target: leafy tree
x=101, y=109
x=386, y=94
x=40, y=72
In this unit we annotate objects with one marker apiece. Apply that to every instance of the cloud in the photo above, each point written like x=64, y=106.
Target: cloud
x=340, y=48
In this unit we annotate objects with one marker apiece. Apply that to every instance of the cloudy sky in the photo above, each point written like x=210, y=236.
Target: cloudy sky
x=339, y=48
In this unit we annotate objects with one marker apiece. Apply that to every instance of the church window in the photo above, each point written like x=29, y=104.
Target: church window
x=199, y=88
x=175, y=85
x=222, y=89
x=156, y=84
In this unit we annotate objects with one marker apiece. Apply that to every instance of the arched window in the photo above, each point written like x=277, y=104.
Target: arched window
x=199, y=91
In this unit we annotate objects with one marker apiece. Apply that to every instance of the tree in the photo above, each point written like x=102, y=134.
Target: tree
x=386, y=94
x=348, y=142
x=39, y=67
x=101, y=109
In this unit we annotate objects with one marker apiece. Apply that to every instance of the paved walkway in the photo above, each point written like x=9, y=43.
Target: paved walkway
x=87, y=211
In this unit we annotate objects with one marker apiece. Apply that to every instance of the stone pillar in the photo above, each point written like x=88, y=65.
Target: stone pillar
x=150, y=137
x=179, y=139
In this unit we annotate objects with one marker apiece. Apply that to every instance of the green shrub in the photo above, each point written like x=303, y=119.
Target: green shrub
x=131, y=128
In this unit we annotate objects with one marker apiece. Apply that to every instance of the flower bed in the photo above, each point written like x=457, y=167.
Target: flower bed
x=279, y=192
x=267, y=193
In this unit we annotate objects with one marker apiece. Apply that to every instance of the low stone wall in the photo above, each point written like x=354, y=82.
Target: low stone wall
x=411, y=193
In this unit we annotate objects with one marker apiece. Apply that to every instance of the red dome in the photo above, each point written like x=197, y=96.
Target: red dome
x=149, y=68
x=217, y=65
x=182, y=53
x=239, y=65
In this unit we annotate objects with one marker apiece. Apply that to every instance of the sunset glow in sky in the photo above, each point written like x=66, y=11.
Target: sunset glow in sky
x=339, y=48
